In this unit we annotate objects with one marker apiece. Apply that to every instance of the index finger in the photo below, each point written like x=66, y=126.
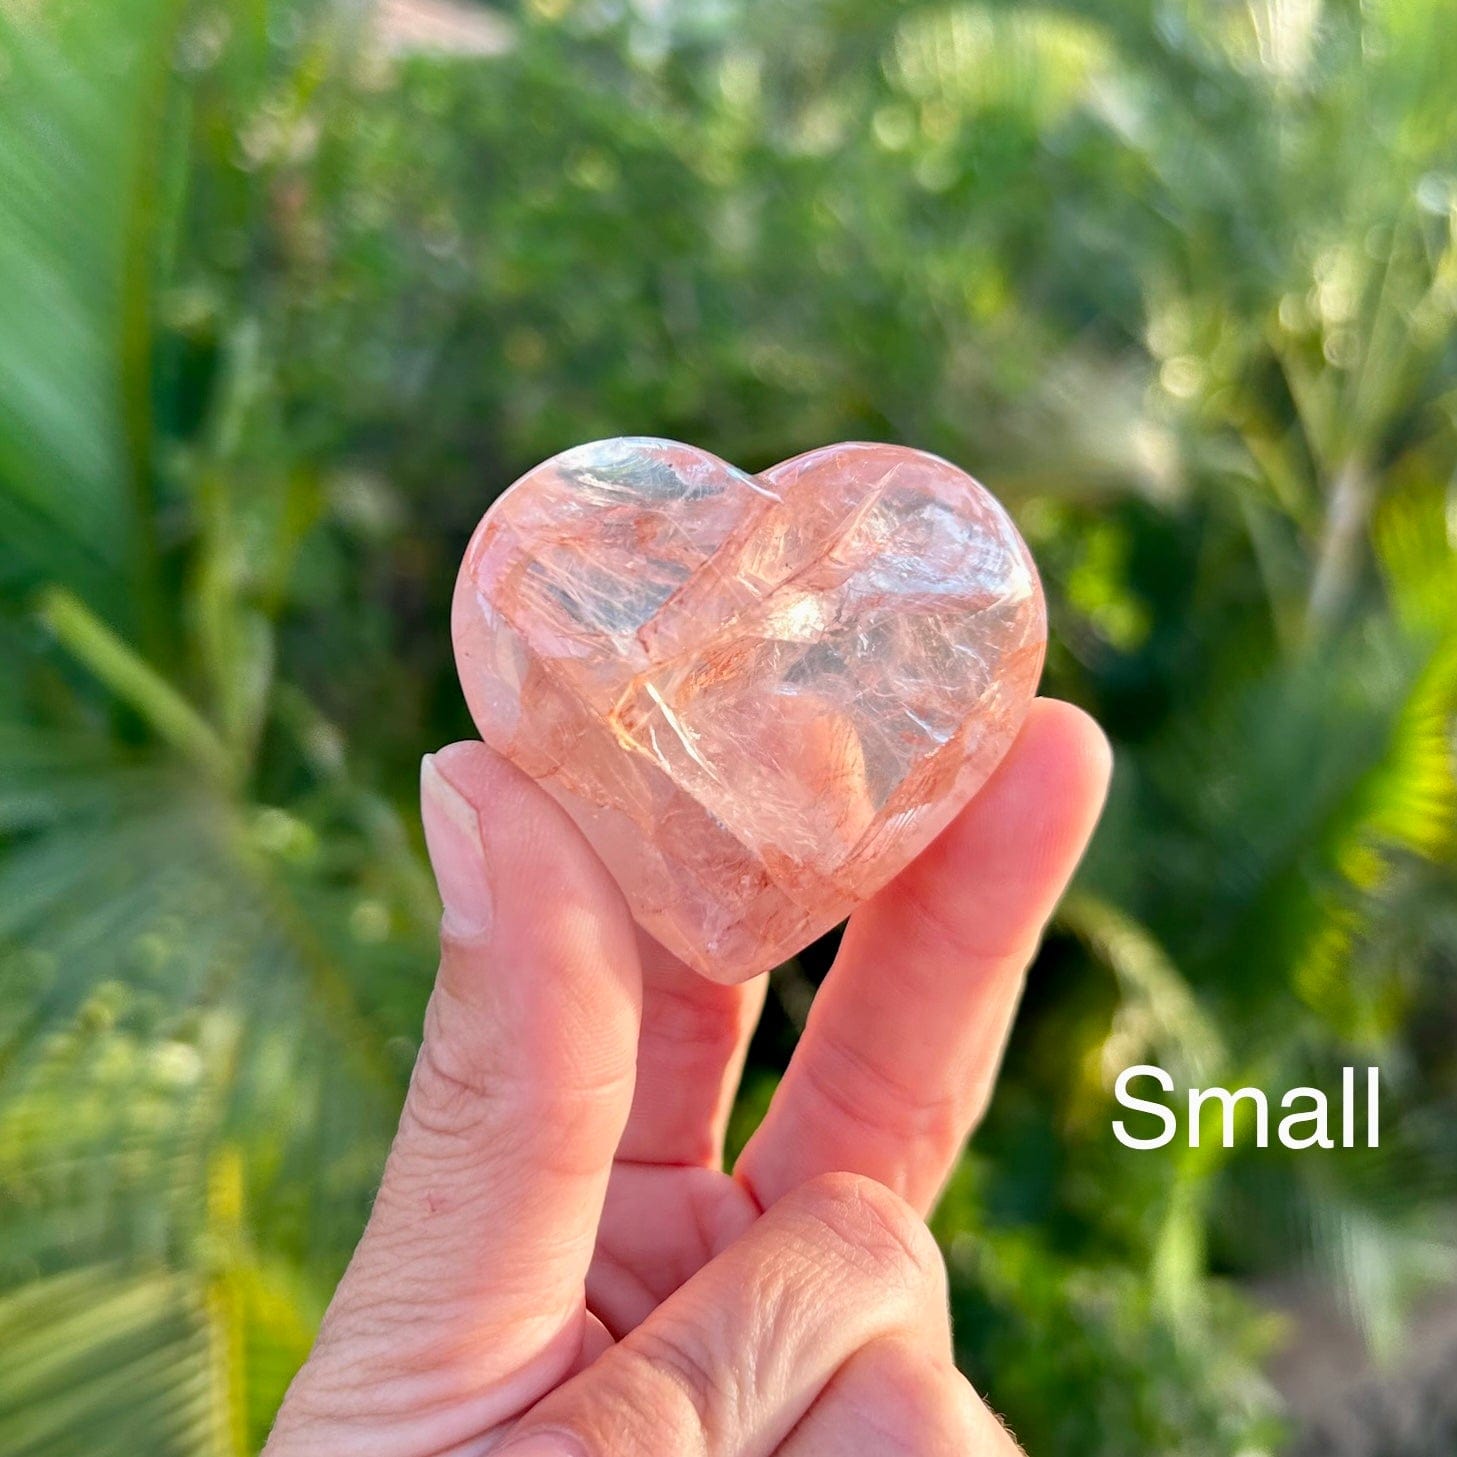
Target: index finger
x=464, y=1300
x=904, y=1039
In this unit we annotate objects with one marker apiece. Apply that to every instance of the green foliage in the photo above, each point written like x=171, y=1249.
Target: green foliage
x=284, y=310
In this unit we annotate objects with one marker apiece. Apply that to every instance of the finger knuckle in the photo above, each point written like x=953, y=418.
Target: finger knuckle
x=655, y=1392
x=448, y=1096
x=687, y=1379
x=472, y=1092
x=705, y=1020
x=933, y=918
x=877, y=1225
x=858, y=1089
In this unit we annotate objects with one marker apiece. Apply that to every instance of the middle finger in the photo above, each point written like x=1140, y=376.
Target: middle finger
x=695, y=1034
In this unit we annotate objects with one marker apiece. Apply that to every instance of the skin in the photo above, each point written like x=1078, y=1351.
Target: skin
x=557, y=1264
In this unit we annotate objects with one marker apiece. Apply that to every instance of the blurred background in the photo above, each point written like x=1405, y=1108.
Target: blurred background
x=289, y=291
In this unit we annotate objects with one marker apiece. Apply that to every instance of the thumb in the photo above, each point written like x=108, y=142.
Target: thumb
x=464, y=1301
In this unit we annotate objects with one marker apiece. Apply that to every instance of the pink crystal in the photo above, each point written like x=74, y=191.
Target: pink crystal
x=759, y=696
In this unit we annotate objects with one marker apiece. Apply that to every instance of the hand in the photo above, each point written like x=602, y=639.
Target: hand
x=556, y=1255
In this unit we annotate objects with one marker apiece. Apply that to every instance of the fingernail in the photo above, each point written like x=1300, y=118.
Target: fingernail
x=457, y=852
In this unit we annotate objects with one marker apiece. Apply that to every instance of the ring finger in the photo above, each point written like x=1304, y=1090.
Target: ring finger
x=904, y=1039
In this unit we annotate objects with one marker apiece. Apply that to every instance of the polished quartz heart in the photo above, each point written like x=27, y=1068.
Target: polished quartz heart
x=759, y=696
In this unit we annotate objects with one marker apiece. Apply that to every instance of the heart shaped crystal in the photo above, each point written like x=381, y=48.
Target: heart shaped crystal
x=759, y=696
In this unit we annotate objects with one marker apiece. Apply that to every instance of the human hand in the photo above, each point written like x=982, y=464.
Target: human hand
x=555, y=1252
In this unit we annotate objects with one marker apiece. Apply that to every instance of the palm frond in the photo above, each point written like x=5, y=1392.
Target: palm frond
x=80, y=119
